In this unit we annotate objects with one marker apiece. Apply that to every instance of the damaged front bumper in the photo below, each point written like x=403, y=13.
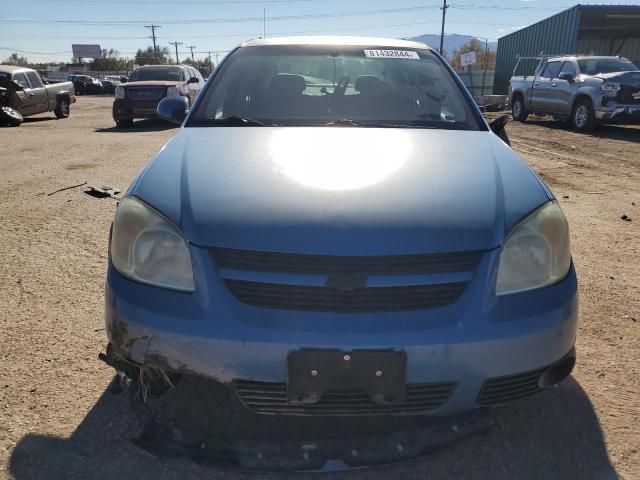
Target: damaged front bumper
x=620, y=114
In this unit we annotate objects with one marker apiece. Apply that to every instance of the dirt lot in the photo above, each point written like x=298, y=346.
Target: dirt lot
x=57, y=421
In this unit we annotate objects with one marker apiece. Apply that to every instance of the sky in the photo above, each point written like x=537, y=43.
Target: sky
x=43, y=30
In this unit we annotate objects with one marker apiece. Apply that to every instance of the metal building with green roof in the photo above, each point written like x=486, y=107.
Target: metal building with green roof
x=582, y=29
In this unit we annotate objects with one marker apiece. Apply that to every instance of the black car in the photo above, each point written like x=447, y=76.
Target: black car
x=85, y=85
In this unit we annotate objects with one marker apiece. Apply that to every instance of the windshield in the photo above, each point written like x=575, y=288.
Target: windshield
x=350, y=86
x=595, y=66
x=170, y=74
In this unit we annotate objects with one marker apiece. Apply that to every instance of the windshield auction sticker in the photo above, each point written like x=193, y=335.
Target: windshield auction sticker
x=392, y=54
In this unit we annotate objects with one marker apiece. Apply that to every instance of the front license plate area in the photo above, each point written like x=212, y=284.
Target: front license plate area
x=381, y=374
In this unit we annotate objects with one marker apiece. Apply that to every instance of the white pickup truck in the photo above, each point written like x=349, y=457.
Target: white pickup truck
x=585, y=90
x=26, y=93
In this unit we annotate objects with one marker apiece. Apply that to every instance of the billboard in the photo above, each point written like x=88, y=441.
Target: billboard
x=86, y=51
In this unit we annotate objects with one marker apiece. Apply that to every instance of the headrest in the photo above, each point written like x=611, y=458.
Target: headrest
x=370, y=84
x=288, y=83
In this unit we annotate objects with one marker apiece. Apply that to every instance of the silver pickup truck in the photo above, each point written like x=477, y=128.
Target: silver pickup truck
x=33, y=96
x=585, y=90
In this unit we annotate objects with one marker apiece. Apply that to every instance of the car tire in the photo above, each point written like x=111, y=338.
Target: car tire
x=10, y=116
x=583, y=118
x=62, y=109
x=518, y=110
x=125, y=123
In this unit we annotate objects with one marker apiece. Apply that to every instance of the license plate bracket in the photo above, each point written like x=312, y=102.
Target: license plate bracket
x=380, y=373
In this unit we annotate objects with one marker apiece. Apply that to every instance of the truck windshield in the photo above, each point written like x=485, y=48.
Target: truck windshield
x=170, y=74
x=595, y=66
x=345, y=86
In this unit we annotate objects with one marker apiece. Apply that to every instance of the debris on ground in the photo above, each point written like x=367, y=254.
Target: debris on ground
x=625, y=218
x=103, y=192
x=66, y=188
x=565, y=196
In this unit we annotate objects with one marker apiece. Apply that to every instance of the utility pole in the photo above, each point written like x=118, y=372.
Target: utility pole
x=264, y=23
x=153, y=35
x=444, y=13
x=193, y=59
x=175, y=44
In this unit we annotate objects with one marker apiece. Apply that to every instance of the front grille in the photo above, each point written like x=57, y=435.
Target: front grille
x=271, y=398
x=626, y=95
x=142, y=93
x=325, y=299
x=367, y=265
x=500, y=390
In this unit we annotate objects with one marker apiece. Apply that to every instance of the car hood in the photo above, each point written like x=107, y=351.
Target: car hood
x=151, y=83
x=626, y=78
x=340, y=190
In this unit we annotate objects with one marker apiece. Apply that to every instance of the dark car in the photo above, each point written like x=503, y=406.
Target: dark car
x=109, y=85
x=139, y=97
x=85, y=85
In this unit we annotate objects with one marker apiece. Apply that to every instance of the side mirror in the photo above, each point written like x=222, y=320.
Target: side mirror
x=193, y=80
x=566, y=76
x=124, y=79
x=173, y=109
x=497, y=127
x=16, y=86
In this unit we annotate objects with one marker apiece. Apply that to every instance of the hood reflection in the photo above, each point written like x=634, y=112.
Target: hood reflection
x=339, y=158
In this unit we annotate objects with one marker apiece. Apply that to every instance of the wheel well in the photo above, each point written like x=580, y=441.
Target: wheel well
x=580, y=97
x=63, y=96
x=516, y=95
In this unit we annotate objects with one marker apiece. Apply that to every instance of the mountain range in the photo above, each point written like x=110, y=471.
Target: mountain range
x=452, y=42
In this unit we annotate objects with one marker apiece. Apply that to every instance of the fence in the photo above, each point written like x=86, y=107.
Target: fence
x=479, y=82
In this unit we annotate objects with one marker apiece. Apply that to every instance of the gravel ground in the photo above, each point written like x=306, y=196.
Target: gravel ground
x=57, y=421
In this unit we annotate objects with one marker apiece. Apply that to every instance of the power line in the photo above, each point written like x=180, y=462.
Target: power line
x=232, y=20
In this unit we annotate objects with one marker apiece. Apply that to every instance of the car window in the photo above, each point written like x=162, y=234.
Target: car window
x=303, y=85
x=34, y=80
x=594, y=66
x=552, y=70
x=568, y=67
x=171, y=74
x=21, y=79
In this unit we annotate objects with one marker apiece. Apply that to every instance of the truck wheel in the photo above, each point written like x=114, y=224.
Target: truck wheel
x=62, y=110
x=9, y=116
x=518, y=110
x=124, y=123
x=583, y=118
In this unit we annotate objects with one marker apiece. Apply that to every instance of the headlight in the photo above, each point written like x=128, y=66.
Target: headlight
x=146, y=247
x=119, y=92
x=173, y=92
x=536, y=253
x=610, y=88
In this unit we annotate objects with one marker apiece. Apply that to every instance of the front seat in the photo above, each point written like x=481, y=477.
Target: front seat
x=283, y=96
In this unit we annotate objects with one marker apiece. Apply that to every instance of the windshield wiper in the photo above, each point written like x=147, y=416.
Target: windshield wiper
x=230, y=121
x=355, y=123
x=235, y=121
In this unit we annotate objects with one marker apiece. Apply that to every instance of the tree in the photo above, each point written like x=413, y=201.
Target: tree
x=147, y=57
x=482, y=55
x=15, y=59
x=110, y=61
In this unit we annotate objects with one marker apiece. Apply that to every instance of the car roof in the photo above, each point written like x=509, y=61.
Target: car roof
x=584, y=57
x=161, y=66
x=336, y=41
x=13, y=68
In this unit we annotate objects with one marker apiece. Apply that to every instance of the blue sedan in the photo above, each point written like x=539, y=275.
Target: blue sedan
x=335, y=230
